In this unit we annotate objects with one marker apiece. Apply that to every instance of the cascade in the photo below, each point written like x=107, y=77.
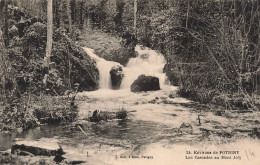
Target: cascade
x=104, y=68
x=147, y=62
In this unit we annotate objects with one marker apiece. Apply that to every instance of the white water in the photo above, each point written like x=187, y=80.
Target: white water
x=147, y=62
x=104, y=68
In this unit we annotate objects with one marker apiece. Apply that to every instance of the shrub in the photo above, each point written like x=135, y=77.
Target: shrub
x=121, y=113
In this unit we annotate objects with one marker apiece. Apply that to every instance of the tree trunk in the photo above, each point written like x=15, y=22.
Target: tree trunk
x=6, y=36
x=68, y=10
x=119, y=16
x=81, y=13
x=135, y=18
x=73, y=11
x=187, y=15
x=2, y=5
x=56, y=13
x=88, y=17
x=49, y=38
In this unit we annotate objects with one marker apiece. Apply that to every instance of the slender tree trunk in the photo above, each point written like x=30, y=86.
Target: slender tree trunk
x=56, y=13
x=81, y=13
x=2, y=4
x=73, y=11
x=49, y=37
x=49, y=30
x=6, y=36
x=119, y=16
x=187, y=15
x=88, y=19
x=68, y=10
x=135, y=17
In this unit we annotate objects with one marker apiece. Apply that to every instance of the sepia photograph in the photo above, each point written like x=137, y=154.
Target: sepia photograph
x=129, y=82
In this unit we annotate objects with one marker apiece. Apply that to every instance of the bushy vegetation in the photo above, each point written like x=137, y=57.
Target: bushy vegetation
x=122, y=114
x=211, y=48
x=23, y=91
x=31, y=111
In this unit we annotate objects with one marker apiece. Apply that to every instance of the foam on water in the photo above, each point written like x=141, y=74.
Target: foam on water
x=147, y=62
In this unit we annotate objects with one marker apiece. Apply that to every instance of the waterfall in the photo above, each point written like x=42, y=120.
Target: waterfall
x=104, y=68
x=147, y=62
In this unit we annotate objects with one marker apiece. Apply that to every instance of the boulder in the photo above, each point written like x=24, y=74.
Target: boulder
x=145, y=83
x=43, y=147
x=185, y=128
x=117, y=75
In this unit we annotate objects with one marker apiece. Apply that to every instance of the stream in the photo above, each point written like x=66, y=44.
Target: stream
x=161, y=128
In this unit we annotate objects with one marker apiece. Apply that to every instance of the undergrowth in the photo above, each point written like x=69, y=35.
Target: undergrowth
x=31, y=111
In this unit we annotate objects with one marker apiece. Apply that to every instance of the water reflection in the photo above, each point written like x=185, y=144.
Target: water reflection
x=135, y=132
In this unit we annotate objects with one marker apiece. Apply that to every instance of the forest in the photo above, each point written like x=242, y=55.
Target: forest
x=211, y=50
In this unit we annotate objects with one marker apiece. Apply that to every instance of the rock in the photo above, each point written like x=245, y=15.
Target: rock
x=186, y=128
x=145, y=83
x=8, y=158
x=172, y=94
x=152, y=101
x=256, y=132
x=117, y=75
x=219, y=113
x=43, y=147
x=228, y=132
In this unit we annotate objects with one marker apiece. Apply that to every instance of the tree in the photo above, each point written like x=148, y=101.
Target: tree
x=6, y=37
x=135, y=17
x=119, y=15
x=56, y=13
x=49, y=37
x=68, y=10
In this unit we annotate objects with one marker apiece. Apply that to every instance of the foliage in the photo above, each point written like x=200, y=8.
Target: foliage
x=15, y=115
x=69, y=62
x=74, y=65
x=210, y=47
x=121, y=113
x=25, y=99
x=30, y=111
